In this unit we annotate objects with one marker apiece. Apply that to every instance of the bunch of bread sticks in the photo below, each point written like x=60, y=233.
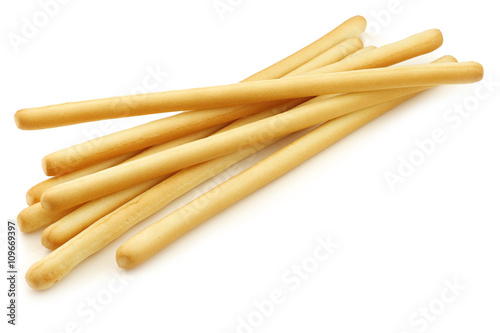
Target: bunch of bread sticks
x=103, y=187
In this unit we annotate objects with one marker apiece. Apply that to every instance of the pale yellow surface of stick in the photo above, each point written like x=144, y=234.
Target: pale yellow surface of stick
x=353, y=27
x=160, y=234
x=263, y=91
x=183, y=123
x=332, y=55
x=72, y=158
x=117, y=107
x=35, y=193
x=76, y=221
x=34, y=217
x=72, y=224
x=55, y=266
x=119, y=177
x=152, y=239
x=389, y=54
x=357, y=53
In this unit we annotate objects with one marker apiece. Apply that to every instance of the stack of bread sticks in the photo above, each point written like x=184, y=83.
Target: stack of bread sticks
x=99, y=189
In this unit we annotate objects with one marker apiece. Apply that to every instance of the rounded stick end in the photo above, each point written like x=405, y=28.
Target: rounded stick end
x=478, y=70
x=40, y=279
x=22, y=120
x=361, y=21
x=50, y=202
x=23, y=220
x=32, y=197
x=49, y=167
x=124, y=259
x=50, y=238
x=438, y=36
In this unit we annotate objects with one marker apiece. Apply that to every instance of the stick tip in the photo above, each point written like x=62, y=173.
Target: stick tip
x=437, y=36
x=478, y=70
x=40, y=279
x=22, y=119
x=50, y=238
x=51, y=167
x=124, y=258
x=361, y=21
x=50, y=201
x=23, y=221
x=31, y=197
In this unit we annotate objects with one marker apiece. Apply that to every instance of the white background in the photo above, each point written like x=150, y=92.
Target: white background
x=397, y=248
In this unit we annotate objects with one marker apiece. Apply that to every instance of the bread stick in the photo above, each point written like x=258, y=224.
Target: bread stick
x=34, y=217
x=76, y=248
x=330, y=56
x=389, y=54
x=119, y=177
x=160, y=234
x=35, y=193
x=74, y=222
x=154, y=238
x=172, y=127
x=81, y=155
x=58, y=264
x=116, y=107
x=70, y=225
x=243, y=93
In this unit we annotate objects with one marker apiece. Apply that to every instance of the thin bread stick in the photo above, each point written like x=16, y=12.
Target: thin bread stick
x=51, y=269
x=160, y=234
x=116, y=107
x=78, y=219
x=138, y=137
x=332, y=55
x=157, y=236
x=154, y=238
x=155, y=198
x=121, y=176
x=178, y=125
x=35, y=193
x=389, y=54
x=34, y=217
x=357, y=53
x=353, y=27
x=69, y=226
x=74, y=248
x=232, y=94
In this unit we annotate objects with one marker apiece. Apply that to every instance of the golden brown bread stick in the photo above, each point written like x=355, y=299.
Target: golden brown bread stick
x=54, y=267
x=34, y=217
x=357, y=53
x=35, y=193
x=78, y=156
x=72, y=224
x=389, y=54
x=79, y=112
x=353, y=27
x=233, y=94
x=58, y=264
x=176, y=125
x=330, y=56
x=119, y=177
x=154, y=238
